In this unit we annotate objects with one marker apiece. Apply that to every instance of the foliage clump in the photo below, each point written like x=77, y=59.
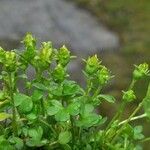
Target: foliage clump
x=54, y=112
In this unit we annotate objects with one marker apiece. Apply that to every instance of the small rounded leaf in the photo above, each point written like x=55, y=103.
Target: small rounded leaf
x=62, y=115
x=64, y=137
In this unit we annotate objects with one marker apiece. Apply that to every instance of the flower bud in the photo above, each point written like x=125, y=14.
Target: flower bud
x=129, y=96
x=46, y=52
x=10, y=61
x=29, y=40
x=141, y=71
x=30, y=44
x=43, y=59
x=63, y=56
x=103, y=75
x=92, y=65
x=59, y=73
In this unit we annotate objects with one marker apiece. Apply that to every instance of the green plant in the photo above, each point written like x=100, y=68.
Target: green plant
x=54, y=112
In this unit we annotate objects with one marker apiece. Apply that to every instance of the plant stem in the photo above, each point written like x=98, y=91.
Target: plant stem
x=125, y=143
x=122, y=107
x=43, y=108
x=95, y=142
x=97, y=91
x=48, y=125
x=80, y=135
x=133, y=118
x=146, y=140
x=116, y=115
x=130, y=117
x=130, y=88
x=132, y=84
x=14, y=120
x=72, y=129
x=88, y=89
x=53, y=143
x=39, y=78
x=128, y=120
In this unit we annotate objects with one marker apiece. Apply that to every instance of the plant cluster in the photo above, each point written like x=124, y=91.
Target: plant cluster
x=54, y=112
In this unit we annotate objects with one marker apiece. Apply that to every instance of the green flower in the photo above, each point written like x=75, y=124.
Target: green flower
x=129, y=96
x=63, y=56
x=59, y=73
x=92, y=65
x=141, y=71
x=10, y=61
x=103, y=75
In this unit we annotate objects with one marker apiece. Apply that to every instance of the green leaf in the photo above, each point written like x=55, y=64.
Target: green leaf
x=31, y=116
x=102, y=121
x=17, y=142
x=18, y=98
x=35, y=135
x=4, y=144
x=62, y=115
x=74, y=108
x=24, y=102
x=4, y=116
x=138, y=133
x=64, y=137
x=88, y=121
x=66, y=147
x=88, y=108
x=108, y=98
x=70, y=88
x=53, y=107
x=56, y=89
x=52, y=110
x=128, y=131
x=37, y=95
x=40, y=86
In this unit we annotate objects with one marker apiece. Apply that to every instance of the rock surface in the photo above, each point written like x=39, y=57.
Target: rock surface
x=56, y=20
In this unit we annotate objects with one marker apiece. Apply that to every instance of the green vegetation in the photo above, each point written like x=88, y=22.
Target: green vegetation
x=130, y=18
x=52, y=111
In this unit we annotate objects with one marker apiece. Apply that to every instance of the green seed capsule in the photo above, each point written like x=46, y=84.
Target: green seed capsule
x=92, y=65
x=43, y=59
x=63, y=56
x=103, y=75
x=30, y=45
x=29, y=41
x=10, y=61
x=46, y=52
x=59, y=73
x=141, y=71
x=129, y=96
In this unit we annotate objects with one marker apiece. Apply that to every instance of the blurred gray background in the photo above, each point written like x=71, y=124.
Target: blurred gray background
x=56, y=20
x=59, y=21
